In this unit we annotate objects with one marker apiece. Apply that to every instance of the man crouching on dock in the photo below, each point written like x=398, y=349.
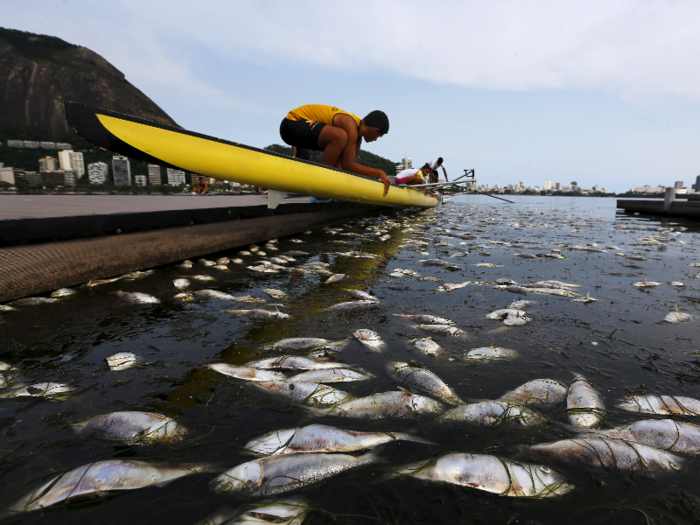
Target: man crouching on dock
x=337, y=133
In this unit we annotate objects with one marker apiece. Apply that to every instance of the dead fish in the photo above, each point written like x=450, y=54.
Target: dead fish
x=246, y=373
x=491, y=474
x=645, y=284
x=307, y=393
x=587, y=299
x=666, y=434
x=677, y=283
x=419, y=377
x=637, y=258
x=525, y=255
x=427, y=346
x=184, y=297
x=335, y=278
x=185, y=265
x=430, y=278
x=678, y=317
x=435, y=262
x=293, y=362
x=238, y=261
x=244, y=253
x=215, y=294
x=247, y=298
x=203, y=277
x=536, y=392
x=323, y=438
x=505, y=282
x=609, y=454
x=494, y=413
x=296, y=240
x=663, y=405
x=364, y=296
x=282, y=473
x=63, y=292
x=123, y=361
x=353, y=305
x=400, y=404
x=131, y=427
x=33, y=301
x=101, y=479
x=98, y=282
x=489, y=265
x=206, y=262
x=6, y=308
x=223, y=260
x=444, y=329
x=516, y=320
x=137, y=298
x=514, y=288
x=281, y=511
x=521, y=304
x=333, y=375
x=370, y=339
x=181, y=284
x=328, y=350
x=561, y=284
x=275, y=294
x=405, y=272
x=425, y=319
x=584, y=403
x=299, y=343
x=258, y=314
x=504, y=313
x=262, y=269
x=50, y=391
x=449, y=287
x=221, y=268
x=489, y=352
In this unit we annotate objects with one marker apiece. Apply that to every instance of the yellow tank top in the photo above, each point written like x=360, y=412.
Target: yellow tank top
x=319, y=113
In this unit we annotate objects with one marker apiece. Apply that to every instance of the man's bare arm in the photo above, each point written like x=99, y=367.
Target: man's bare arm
x=352, y=150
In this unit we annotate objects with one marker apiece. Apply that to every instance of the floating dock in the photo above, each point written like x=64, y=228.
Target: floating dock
x=669, y=205
x=54, y=241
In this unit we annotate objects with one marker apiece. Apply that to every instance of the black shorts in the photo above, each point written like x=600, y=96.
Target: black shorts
x=303, y=134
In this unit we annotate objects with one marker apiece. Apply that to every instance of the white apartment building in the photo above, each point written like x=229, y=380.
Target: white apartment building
x=72, y=161
x=48, y=164
x=175, y=177
x=548, y=185
x=98, y=172
x=121, y=167
x=154, y=175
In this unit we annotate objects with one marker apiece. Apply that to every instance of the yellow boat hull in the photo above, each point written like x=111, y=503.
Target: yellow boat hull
x=165, y=145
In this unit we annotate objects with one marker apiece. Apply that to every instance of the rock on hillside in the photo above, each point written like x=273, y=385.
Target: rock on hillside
x=38, y=73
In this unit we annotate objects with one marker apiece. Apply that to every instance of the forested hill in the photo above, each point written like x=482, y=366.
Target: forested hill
x=38, y=73
x=365, y=158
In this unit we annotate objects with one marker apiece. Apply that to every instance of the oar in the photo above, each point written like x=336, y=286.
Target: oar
x=489, y=195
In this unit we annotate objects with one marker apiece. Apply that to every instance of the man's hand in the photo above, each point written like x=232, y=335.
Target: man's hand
x=387, y=183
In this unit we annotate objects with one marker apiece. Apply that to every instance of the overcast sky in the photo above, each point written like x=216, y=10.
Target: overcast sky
x=600, y=92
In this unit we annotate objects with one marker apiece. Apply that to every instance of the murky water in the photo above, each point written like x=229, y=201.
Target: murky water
x=619, y=343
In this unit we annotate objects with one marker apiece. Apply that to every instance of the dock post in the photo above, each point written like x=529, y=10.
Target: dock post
x=669, y=198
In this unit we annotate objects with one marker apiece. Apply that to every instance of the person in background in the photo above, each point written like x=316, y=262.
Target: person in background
x=434, y=165
x=411, y=177
x=337, y=133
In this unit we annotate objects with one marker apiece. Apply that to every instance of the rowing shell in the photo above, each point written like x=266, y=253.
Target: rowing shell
x=169, y=146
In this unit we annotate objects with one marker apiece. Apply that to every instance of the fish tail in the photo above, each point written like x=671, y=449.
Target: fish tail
x=400, y=436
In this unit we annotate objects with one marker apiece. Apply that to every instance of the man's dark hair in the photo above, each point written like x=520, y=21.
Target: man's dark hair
x=378, y=119
x=439, y=161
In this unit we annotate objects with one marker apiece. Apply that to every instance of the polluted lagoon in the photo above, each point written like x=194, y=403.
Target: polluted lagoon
x=418, y=339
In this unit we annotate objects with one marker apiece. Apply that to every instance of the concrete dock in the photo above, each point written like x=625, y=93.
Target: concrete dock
x=54, y=241
x=670, y=205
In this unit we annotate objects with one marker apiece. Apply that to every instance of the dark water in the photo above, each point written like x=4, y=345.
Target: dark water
x=619, y=343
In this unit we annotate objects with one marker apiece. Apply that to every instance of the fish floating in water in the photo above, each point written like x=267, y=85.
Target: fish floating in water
x=537, y=392
x=49, y=391
x=495, y=413
x=421, y=378
x=181, y=284
x=678, y=317
x=398, y=404
x=293, y=362
x=587, y=299
x=101, y=479
x=425, y=319
x=335, y=278
x=333, y=375
x=662, y=405
x=353, y=305
x=645, y=284
x=447, y=287
x=131, y=427
x=665, y=434
x=427, y=346
x=282, y=473
x=584, y=403
x=275, y=294
x=370, y=339
x=306, y=393
x=490, y=474
x=280, y=511
x=489, y=352
x=63, y=292
x=123, y=361
x=246, y=373
x=258, y=314
x=323, y=438
x=137, y=298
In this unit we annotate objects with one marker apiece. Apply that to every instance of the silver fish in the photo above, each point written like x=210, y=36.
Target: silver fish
x=122, y=361
x=504, y=313
x=184, y=297
x=494, y=413
x=333, y=375
x=328, y=350
x=364, y=296
x=98, y=282
x=181, y=284
x=678, y=317
x=444, y=329
x=666, y=434
x=491, y=474
x=221, y=268
x=536, y=392
x=435, y=262
x=247, y=373
x=282, y=473
x=427, y=346
x=247, y=298
x=299, y=343
x=215, y=294
x=63, y=292
x=280, y=511
x=100, y=479
x=521, y=304
x=447, y=287
x=50, y=391
x=131, y=427
x=238, y=260
x=425, y=319
x=516, y=320
x=353, y=305
x=203, y=277
x=323, y=438
x=223, y=260
x=609, y=454
x=370, y=339
x=206, y=262
x=490, y=352
x=293, y=362
x=645, y=284
x=585, y=406
x=421, y=378
x=258, y=314
x=401, y=404
x=262, y=269
x=665, y=405
x=307, y=393
x=335, y=278
x=137, y=298
x=185, y=265
x=275, y=294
